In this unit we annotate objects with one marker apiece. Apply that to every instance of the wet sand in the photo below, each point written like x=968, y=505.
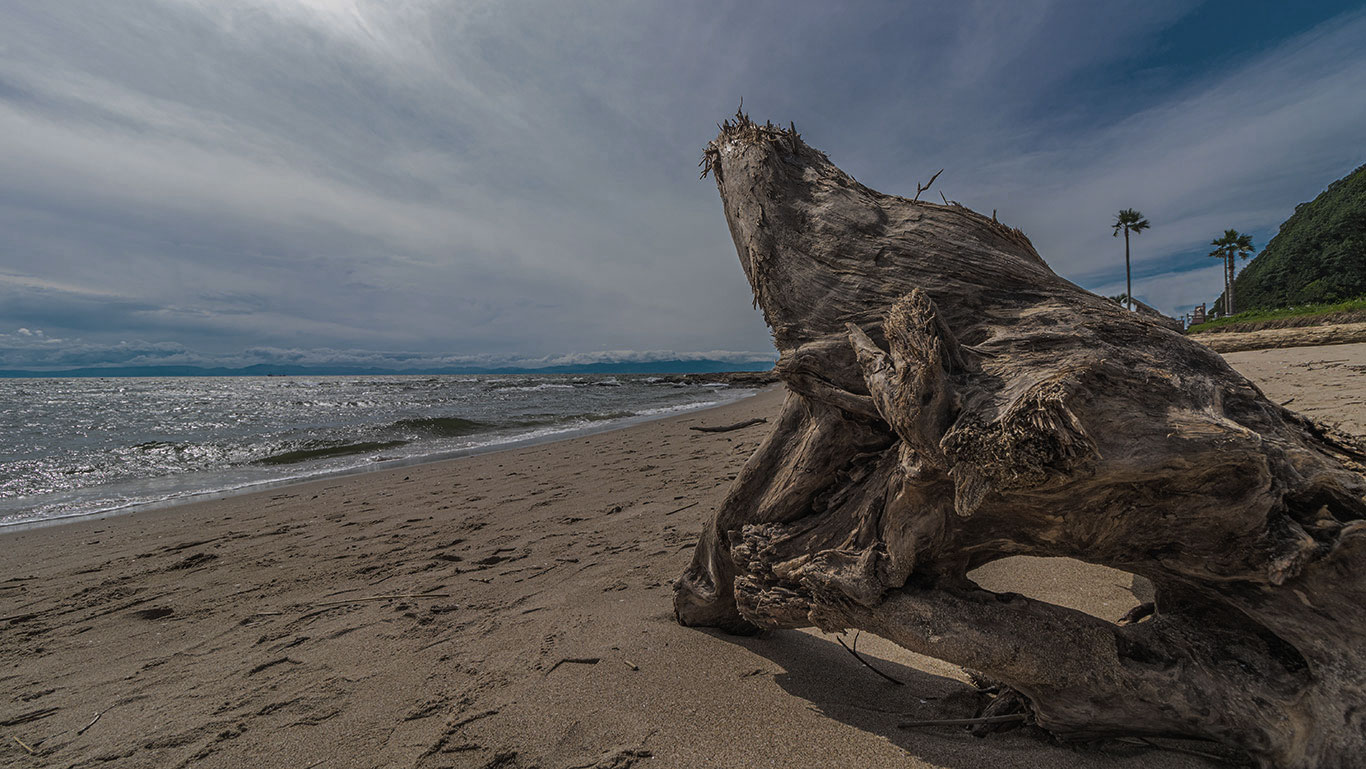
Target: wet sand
x=504, y=610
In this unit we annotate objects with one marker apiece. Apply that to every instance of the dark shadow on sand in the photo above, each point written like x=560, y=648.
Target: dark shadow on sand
x=821, y=672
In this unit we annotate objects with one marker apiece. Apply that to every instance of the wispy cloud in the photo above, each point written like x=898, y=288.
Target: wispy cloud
x=1238, y=146
x=518, y=178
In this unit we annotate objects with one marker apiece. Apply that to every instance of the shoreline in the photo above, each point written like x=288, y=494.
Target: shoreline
x=510, y=609
x=208, y=495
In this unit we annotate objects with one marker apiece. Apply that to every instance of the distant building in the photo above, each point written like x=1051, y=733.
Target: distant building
x=1198, y=315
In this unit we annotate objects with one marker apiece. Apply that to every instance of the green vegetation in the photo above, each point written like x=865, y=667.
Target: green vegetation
x=1129, y=220
x=1230, y=247
x=1304, y=311
x=1319, y=255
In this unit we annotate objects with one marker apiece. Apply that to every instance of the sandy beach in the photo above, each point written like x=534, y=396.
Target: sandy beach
x=504, y=610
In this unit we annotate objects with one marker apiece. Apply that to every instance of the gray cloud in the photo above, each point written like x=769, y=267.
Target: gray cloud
x=34, y=349
x=517, y=179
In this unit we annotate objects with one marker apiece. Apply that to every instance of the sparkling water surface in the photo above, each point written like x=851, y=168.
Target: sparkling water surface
x=71, y=447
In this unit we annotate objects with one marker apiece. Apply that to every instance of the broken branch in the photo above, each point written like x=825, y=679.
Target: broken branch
x=379, y=598
x=83, y=729
x=963, y=721
x=728, y=428
x=22, y=745
x=919, y=188
x=859, y=657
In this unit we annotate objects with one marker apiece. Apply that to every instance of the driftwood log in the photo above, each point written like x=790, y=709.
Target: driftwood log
x=953, y=402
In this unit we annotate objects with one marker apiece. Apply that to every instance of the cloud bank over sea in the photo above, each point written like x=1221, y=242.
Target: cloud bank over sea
x=519, y=178
x=33, y=350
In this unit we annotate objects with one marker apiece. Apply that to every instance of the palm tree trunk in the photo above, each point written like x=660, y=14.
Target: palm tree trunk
x=1228, y=296
x=1225, y=307
x=1128, y=280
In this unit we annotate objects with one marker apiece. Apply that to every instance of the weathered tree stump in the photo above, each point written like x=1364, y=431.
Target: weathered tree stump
x=952, y=402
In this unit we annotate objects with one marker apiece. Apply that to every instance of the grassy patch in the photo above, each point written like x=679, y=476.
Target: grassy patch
x=1303, y=311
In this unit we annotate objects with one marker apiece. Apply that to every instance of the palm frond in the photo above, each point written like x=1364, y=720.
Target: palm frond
x=1130, y=220
x=1233, y=244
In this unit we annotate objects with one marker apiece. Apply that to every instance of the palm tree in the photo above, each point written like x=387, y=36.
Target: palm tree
x=1129, y=220
x=1233, y=245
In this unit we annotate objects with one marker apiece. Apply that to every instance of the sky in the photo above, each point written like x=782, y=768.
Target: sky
x=410, y=182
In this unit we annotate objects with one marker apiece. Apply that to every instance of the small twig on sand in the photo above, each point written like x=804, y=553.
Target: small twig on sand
x=1287, y=401
x=681, y=509
x=1177, y=749
x=631, y=665
x=22, y=745
x=546, y=570
x=964, y=721
x=574, y=661
x=728, y=428
x=382, y=598
x=858, y=657
x=81, y=730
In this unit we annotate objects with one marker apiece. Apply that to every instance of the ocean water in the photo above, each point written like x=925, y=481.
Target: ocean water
x=74, y=447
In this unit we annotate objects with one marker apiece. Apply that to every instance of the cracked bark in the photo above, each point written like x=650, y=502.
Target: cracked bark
x=952, y=402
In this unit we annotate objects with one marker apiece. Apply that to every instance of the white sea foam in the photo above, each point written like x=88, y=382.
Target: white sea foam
x=79, y=447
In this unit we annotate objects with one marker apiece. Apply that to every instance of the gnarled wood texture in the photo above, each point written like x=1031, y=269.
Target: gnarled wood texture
x=953, y=402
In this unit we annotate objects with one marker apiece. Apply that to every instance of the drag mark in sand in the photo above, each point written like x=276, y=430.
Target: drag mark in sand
x=574, y=661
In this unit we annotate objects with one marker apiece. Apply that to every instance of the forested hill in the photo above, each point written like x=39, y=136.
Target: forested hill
x=1318, y=256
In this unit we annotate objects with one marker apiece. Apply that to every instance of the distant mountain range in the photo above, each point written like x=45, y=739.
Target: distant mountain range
x=652, y=367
